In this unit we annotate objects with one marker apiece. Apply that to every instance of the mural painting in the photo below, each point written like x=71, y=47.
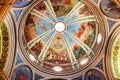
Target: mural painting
x=57, y=52
x=44, y=10
x=85, y=31
x=94, y=75
x=111, y=8
x=63, y=7
x=35, y=27
x=48, y=45
x=75, y=47
x=81, y=12
x=22, y=3
x=22, y=73
x=39, y=29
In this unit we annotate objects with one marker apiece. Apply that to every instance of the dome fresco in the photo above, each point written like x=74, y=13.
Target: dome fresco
x=61, y=34
x=53, y=46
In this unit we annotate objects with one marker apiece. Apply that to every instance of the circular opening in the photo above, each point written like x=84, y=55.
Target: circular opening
x=60, y=27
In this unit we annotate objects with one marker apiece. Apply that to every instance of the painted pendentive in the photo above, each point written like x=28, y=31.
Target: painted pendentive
x=111, y=8
x=94, y=75
x=22, y=72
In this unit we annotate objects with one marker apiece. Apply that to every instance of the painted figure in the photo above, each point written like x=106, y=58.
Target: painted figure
x=57, y=52
x=80, y=31
x=111, y=8
x=94, y=75
x=22, y=73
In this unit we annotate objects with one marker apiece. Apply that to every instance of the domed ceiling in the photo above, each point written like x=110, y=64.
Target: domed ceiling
x=62, y=39
x=61, y=35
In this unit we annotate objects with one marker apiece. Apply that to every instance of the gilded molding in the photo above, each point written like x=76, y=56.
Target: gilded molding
x=5, y=5
x=4, y=46
x=3, y=76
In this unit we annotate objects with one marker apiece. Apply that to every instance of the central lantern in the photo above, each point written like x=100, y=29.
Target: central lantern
x=60, y=26
x=62, y=36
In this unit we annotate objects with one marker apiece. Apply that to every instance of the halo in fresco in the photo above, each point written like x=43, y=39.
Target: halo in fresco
x=111, y=8
x=22, y=73
x=94, y=75
x=22, y=3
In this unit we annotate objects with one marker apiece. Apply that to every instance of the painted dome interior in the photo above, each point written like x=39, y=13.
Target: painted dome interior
x=56, y=37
